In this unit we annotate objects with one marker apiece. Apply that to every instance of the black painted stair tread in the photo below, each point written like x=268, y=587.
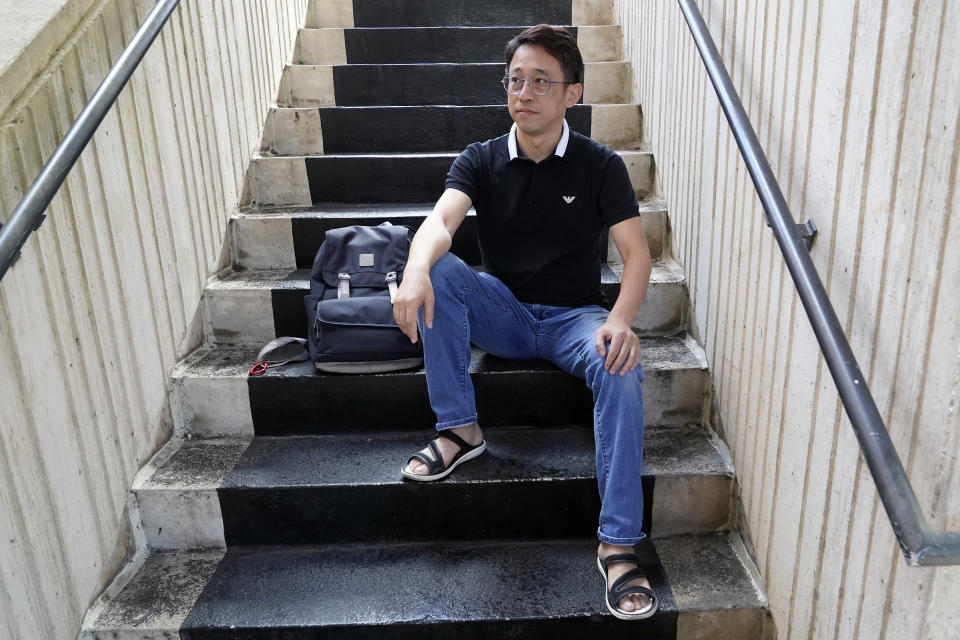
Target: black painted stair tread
x=365, y=211
x=462, y=84
x=296, y=399
x=658, y=354
x=340, y=214
x=449, y=156
x=348, y=488
x=307, y=227
x=381, y=178
x=297, y=282
x=373, y=459
x=476, y=83
x=508, y=585
x=664, y=271
x=297, y=232
x=381, y=45
x=431, y=13
x=377, y=177
x=428, y=128
x=301, y=131
x=416, y=84
x=272, y=300
x=514, y=590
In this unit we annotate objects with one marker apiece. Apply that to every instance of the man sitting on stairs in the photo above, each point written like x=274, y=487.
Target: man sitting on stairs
x=542, y=195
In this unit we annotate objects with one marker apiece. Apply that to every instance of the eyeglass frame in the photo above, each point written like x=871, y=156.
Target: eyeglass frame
x=529, y=82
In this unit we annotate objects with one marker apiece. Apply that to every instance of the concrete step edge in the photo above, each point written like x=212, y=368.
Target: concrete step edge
x=343, y=13
x=256, y=306
x=692, y=476
x=231, y=361
x=212, y=393
x=343, y=210
x=665, y=271
x=338, y=45
x=703, y=581
x=294, y=131
x=316, y=85
x=302, y=181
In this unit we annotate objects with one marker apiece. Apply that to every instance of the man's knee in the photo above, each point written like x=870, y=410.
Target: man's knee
x=447, y=266
x=628, y=383
x=449, y=275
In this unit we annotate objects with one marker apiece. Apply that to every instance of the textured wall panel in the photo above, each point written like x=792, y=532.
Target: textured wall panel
x=855, y=104
x=102, y=301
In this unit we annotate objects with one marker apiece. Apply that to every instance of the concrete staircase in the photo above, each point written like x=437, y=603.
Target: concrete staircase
x=278, y=511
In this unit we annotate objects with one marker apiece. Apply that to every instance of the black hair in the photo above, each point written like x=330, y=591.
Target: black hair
x=557, y=41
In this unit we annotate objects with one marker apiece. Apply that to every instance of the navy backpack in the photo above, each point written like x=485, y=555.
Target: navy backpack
x=350, y=324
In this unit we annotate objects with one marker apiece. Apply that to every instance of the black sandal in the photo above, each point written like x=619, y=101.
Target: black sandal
x=618, y=591
x=435, y=467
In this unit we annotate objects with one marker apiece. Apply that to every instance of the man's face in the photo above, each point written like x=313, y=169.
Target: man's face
x=536, y=115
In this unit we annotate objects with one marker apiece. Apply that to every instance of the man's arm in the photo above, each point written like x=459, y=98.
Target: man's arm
x=624, y=352
x=433, y=239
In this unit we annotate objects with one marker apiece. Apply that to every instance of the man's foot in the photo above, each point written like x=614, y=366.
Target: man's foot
x=634, y=602
x=448, y=449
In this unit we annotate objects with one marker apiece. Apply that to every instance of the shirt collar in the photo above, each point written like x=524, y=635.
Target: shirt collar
x=514, y=150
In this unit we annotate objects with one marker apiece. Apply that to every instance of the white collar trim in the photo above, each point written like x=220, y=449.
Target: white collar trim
x=564, y=139
x=559, y=151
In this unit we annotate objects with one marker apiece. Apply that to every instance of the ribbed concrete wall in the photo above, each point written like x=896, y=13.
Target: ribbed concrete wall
x=856, y=104
x=103, y=300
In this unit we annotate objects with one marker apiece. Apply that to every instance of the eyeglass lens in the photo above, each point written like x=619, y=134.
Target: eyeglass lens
x=538, y=84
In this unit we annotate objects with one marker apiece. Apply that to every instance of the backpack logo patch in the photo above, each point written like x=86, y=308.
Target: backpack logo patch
x=569, y=199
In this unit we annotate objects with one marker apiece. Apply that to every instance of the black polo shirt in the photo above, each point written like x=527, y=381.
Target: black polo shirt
x=539, y=225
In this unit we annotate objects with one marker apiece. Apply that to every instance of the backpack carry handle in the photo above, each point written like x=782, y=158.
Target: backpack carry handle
x=262, y=365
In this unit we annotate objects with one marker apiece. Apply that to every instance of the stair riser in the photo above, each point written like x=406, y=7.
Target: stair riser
x=427, y=129
x=436, y=45
x=428, y=84
x=661, y=627
x=311, y=180
x=347, y=488
x=305, y=516
x=173, y=519
x=396, y=514
x=257, y=316
x=392, y=13
x=287, y=242
x=321, y=404
x=292, y=401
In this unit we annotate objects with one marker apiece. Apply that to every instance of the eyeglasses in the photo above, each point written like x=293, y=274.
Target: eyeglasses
x=538, y=84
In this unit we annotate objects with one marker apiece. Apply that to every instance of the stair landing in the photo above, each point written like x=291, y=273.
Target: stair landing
x=504, y=589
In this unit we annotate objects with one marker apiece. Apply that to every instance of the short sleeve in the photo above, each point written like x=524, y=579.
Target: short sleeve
x=464, y=174
x=617, y=200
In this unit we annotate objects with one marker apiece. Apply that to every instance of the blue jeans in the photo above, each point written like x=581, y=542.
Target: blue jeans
x=477, y=307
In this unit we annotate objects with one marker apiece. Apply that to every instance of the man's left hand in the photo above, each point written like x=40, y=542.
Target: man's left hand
x=624, y=353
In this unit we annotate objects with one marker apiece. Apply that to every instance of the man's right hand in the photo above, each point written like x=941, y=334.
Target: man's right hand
x=433, y=239
x=415, y=291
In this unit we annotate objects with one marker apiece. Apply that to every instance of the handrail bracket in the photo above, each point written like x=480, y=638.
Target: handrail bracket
x=808, y=233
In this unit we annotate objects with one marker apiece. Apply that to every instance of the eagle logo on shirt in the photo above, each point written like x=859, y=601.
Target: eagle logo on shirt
x=568, y=199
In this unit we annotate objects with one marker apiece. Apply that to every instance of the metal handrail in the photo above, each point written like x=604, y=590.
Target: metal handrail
x=29, y=214
x=921, y=546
